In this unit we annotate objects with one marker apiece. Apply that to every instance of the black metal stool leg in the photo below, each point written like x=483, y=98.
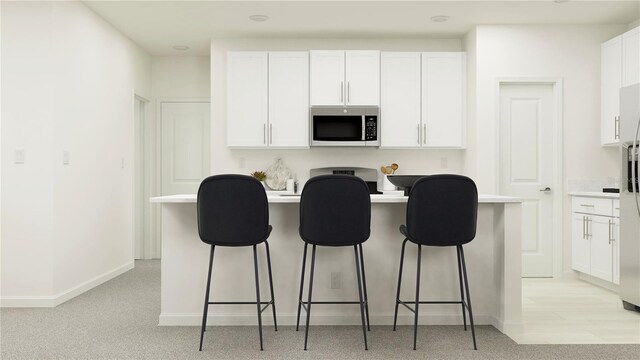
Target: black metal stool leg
x=306, y=330
x=364, y=286
x=304, y=262
x=464, y=314
x=273, y=298
x=255, y=267
x=206, y=298
x=466, y=285
x=395, y=314
x=364, y=329
x=415, y=321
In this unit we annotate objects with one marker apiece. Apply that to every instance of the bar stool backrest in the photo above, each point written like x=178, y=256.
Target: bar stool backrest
x=442, y=210
x=232, y=211
x=335, y=210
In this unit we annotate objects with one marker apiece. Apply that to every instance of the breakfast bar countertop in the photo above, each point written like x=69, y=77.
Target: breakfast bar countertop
x=375, y=198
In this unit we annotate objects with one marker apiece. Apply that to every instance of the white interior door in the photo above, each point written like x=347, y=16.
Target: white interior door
x=185, y=146
x=526, y=168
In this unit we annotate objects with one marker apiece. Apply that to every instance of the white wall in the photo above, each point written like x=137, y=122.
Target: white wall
x=72, y=84
x=300, y=161
x=568, y=52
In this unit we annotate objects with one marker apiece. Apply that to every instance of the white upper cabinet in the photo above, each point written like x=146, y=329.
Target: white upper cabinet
x=288, y=99
x=620, y=67
x=362, y=78
x=610, y=82
x=345, y=77
x=443, y=99
x=247, y=76
x=268, y=99
x=400, y=99
x=631, y=57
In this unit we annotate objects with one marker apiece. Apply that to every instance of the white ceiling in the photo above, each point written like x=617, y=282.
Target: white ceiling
x=158, y=25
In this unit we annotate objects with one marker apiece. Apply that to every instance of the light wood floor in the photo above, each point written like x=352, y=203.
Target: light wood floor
x=574, y=312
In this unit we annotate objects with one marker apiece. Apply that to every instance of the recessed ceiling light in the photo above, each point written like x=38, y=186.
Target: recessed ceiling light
x=259, y=18
x=440, y=18
x=181, y=47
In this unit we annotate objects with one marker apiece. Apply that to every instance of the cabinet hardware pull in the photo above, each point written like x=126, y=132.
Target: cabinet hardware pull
x=424, y=134
x=583, y=222
x=589, y=221
x=616, y=127
x=264, y=134
x=341, y=91
x=348, y=92
x=587, y=205
x=609, y=231
x=270, y=134
x=418, y=134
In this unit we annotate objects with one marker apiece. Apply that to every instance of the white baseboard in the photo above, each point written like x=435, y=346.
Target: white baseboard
x=167, y=319
x=55, y=300
x=599, y=282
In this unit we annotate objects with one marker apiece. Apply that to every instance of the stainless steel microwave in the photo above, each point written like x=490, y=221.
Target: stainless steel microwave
x=344, y=125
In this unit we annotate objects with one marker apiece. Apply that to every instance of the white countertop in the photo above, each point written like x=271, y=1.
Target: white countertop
x=277, y=199
x=595, y=194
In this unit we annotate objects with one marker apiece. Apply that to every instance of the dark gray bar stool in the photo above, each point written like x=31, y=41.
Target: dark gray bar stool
x=335, y=210
x=233, y=211
x=442, y=211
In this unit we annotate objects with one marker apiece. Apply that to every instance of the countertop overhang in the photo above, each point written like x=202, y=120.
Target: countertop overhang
x=294, y=199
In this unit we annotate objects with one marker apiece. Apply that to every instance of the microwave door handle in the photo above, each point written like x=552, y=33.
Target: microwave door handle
x=363, y=128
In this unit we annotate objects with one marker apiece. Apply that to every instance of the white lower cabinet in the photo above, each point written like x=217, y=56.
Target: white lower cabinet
x=595, y=230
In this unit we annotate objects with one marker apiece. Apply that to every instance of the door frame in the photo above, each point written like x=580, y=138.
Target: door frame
x=156, y=213
x=557, y=183
x=142, y=182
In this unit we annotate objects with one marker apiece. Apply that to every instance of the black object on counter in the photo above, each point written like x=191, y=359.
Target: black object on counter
x=404, y=181
x=611, y=190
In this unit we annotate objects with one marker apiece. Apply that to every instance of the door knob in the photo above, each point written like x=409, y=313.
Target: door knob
x=547, y=189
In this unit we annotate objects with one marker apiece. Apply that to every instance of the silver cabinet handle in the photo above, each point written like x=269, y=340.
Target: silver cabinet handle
x=616, y=127
x=264, y=134
x=424, y=134
x=583, y=222
x=270, y=134
x=348, y=92
x=418, y=134
x=610, y=232
x=589, y=221
x=547, y=189
x=587, y=205
x=341, y=91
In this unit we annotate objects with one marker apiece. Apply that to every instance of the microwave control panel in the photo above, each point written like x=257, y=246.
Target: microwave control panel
x=371, y=127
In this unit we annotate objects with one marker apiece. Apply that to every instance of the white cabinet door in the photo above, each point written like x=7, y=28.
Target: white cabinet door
x=247, y=99
x=631, y=57
x=362, y=77
x=580, y=247
x=400, y=99
x=327, y=77
x=288, y=99
x=600, y=233
x=616, y=251
x=610, y=82
x=443, y=99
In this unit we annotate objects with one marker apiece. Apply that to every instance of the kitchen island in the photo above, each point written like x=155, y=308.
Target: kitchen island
x=493, y=260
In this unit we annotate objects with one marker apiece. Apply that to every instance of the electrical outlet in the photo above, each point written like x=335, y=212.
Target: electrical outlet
x=444, y=163
x=65, y=158
x=122, y=163
x=19, y=156
x=336, y=280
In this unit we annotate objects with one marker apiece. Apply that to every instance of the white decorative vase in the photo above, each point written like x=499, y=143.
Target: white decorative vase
x=277, y=175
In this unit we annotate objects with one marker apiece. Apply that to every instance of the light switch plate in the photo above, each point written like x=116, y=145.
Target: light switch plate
x=19, y=157
x=65, y=158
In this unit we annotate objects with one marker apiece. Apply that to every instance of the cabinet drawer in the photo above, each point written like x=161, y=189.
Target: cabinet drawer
x=616, y=208
x=593, y=206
